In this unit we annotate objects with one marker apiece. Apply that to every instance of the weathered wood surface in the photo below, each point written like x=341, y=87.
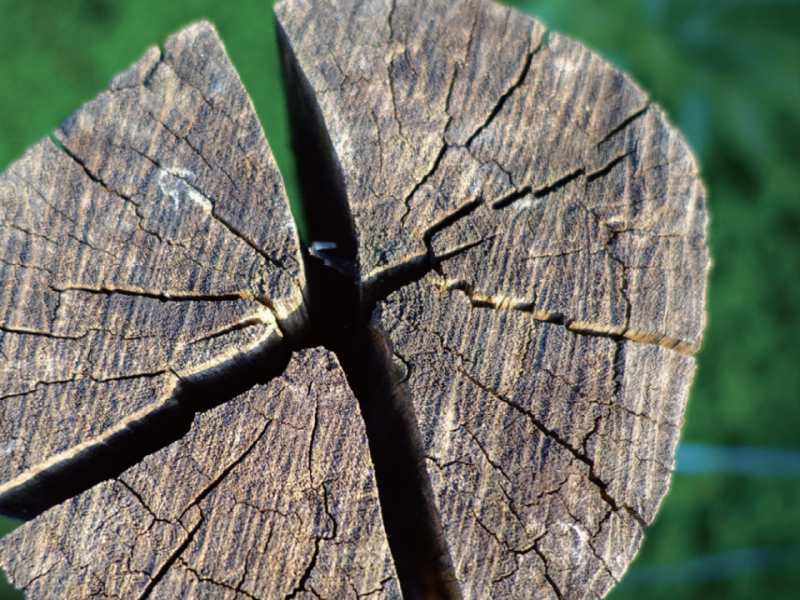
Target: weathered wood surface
x=271, y=495
x=547, y=450
x=528, y=229
x=550, y=162
x=158, y=249
x=545, y=360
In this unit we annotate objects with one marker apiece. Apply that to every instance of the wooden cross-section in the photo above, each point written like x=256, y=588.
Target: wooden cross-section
x=508, y=261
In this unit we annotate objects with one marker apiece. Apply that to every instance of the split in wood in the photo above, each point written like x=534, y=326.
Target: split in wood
x=510, y=269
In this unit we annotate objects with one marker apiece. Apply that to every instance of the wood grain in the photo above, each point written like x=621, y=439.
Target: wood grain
x=548, y=225
x=547, y=450
x=271, y=495
x=157, y=251
x=512, y=272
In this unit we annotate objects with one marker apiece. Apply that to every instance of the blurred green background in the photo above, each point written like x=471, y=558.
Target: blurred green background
x=728, y=73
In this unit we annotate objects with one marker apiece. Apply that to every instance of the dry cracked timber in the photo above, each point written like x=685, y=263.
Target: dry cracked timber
x=508, y=275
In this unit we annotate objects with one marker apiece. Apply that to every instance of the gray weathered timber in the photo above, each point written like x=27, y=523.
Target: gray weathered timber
x=547, y=450
x=544, y=362
x=528, y=159
x=157, y=250
x=512, y=272
x=271, y=495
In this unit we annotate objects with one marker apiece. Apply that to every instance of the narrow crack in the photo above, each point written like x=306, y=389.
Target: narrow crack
x=80, y=163
x=213, y=484
x=614, y=332
x=390, y=77
x=390, y=18
x=196, y=151
x=40, y=333
x=148, y=77
x=275, y=262
x=303, y=582
x=236, y=589
x=606, y=169
x=588, y=539
x=560, y=183
x=141, y=501
x=162, y=571
x=424, y=179
x=217, y=109
x=526, y=67
x=161, y=296
x=592, y=476
x=241, y=325
x=559, y=594
x=492, y=115
x=195, y=502
x=633, y=117
x=311, y=442
x=38, y=576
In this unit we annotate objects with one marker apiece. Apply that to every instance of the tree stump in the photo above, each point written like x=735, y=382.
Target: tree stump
x=507, y=268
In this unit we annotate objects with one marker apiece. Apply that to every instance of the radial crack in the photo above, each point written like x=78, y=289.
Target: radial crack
x=214, y=212
x=633, y=117
x=601, y=485
x=162, y=571
x=580, y=327
x=526, y=67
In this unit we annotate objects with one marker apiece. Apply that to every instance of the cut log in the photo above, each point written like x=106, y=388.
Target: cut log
x=152, y=256
x=271, y=495
x=508, y=259
x=542, y=228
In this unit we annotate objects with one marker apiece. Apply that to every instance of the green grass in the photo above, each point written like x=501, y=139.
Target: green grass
x=774, y=584
x=728, y=74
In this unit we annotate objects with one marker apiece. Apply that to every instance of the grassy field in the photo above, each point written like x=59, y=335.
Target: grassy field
x=728, y=74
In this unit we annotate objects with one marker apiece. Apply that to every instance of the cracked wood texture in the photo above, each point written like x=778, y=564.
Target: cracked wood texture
x=153, y=252
x=270, y=495
x=521, y=278
x=546, y=226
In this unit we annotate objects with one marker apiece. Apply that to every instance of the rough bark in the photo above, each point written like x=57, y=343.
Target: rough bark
x=510, y=265
x=270, y=495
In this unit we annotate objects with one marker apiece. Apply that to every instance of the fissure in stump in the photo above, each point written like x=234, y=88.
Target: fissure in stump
x=511, y=274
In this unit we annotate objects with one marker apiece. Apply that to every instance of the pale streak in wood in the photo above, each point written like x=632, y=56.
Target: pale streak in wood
x=548, y=364
x=267, y=491
x=112, y=292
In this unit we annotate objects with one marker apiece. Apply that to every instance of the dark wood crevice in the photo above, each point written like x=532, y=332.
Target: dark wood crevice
x=340, y=307
x=340, y=310
x=110, y=455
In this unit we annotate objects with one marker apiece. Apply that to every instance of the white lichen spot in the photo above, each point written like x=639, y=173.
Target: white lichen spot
x=172, y=183
x=198, y=198
x=527, y=202
x=8, y=448
x=580, y=543
x=565, y=64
